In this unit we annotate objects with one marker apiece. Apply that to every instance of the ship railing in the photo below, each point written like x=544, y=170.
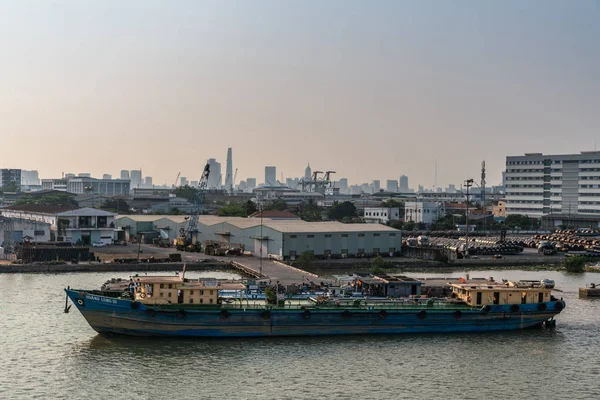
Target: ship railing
x=367, y=306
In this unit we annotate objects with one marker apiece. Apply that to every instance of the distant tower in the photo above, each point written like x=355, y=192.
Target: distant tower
x=270, y=176
x=483, y=182
x=404, y=184
x=229, y=171
x=307, y=172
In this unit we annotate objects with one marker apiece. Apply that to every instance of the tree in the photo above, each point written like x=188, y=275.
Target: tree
x=233, y=209
x=517, y=221
x=62, y=199
x=409, y=225
x=309, y=211
x=574, y=264
x=250, y=207
x=186, y=192
x=343, y=210
x=276, y=205
x=175, y=211
x=10, y=187
x=306, y=259
x=115, y=205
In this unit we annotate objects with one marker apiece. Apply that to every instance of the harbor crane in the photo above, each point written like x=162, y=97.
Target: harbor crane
x=177, y=179
x=185, y=241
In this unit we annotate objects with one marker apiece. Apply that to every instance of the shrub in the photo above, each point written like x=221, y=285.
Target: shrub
x=574, y=264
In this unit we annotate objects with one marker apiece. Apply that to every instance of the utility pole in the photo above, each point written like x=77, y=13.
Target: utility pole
x=468, y=183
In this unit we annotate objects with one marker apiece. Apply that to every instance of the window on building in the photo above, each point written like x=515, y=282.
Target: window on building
x=376, y=234
x=211, y=301
x=170, y=286
x=169, y=294
x=344, y=235
x=202, y=293
x=211, y=292
x=310, y=236
x=392, y=234
x=360, y=251
x=328, y=235
x=162, y=285
x=191, y=301
x=361, y=235
x=201, y=301
x=162, y=294
x=292, y=236
x=38, y=233
x=191, y=292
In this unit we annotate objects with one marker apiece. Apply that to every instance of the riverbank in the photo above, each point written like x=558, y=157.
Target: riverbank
x=211, y=265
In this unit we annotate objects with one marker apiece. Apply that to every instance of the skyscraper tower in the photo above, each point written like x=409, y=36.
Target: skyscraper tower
x=307, y=172
x=270, y=176
x=404, y=184
x=229, y=171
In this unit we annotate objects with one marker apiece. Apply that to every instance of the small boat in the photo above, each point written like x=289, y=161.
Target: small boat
x=175, y=306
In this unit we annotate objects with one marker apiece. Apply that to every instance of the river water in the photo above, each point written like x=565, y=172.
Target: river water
x=45, y=353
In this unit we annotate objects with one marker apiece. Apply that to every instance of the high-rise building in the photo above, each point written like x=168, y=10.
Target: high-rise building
x=124, y=174
x=136, y=178
x=343, y=185
x=307, y=172
x=183, y=181
x=10, y=177
x=229, y=171
x=420, y=189
x=194, y=184
x=69, y=175
x=214, y=178
x=451, y=188
x=376, y=186
x=403, y=184
x=106, y=176
x=84, y=175
x=250, y=184
x=148, y=181
x=30, y=178
x=567, y=184
x=391, y=185
x=270, y=176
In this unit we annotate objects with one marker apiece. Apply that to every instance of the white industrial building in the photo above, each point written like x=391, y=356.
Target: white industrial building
x=86, y=185
x=382, y=215
x=420, y=211
x=275, y=238
x=538, y=184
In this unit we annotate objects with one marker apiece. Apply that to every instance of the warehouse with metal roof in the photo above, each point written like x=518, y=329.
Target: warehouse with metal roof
x=276, y=238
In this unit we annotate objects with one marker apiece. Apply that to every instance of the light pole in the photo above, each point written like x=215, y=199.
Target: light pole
x=468, y=183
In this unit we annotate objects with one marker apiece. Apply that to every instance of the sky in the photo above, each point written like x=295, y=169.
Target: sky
x=370, y=89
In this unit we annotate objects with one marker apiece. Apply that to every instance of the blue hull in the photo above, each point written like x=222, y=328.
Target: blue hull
x=108, y=315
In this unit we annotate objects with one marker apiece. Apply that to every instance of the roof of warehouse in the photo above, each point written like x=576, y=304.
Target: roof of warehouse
x=280, y=225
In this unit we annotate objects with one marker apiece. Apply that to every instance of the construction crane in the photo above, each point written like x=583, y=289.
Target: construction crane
x=326, y=179
x=177, y=179
x=185, y=241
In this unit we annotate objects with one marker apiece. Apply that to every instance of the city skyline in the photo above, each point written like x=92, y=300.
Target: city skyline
x=437, y=83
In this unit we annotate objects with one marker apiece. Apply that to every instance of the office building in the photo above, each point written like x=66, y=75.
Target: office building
x=214, y=178
x=136, y=178
x=307, y=172
x=79, y=185
x=391, y=185
x=250, y=184
x=403, y=184
x=30, y=178
x=567, y=184
x=183, y=181
x=106, y=176
x=270, y=176
x=376, y=186
x=343, y=185
x=421, y=211
x=125, y=174
x=148, y=181
x=10, y=177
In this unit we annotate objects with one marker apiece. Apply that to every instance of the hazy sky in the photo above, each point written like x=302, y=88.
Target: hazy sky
x=371, y=89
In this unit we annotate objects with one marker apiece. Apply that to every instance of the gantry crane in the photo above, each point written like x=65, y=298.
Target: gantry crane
x=186, y=241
